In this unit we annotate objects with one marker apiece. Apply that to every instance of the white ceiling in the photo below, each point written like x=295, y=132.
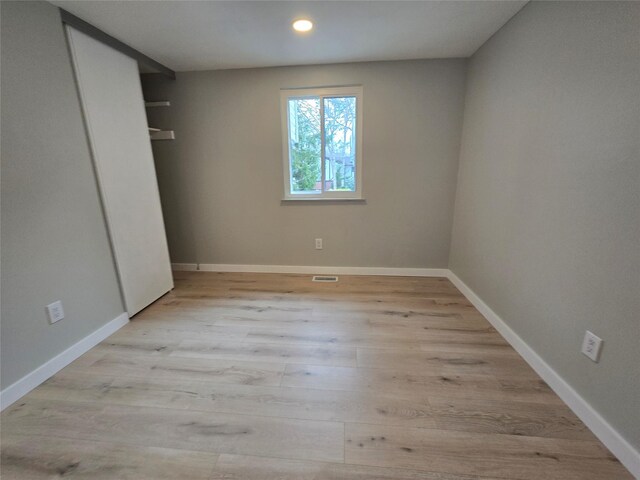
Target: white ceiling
x=204, y=35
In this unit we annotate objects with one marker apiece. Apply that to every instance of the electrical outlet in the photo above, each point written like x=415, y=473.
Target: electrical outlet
x=591, y=346
x=55, y=312
x=318, y=244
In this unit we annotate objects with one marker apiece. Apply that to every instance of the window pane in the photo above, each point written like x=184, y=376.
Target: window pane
x=340, y=143
x=304, y=145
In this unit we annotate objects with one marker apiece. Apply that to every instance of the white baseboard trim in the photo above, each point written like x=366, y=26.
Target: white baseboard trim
x=184, y=267
x=30, y=381
x=622, y=449
x=401, y=272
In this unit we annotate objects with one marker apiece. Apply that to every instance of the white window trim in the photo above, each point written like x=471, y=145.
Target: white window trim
x=285, y=94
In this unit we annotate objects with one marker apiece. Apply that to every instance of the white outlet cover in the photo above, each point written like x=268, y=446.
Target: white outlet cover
x=592, y=345
x=55, y=312
x=318, y=244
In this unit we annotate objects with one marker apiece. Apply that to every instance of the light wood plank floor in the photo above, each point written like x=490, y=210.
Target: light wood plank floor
x=262, y=376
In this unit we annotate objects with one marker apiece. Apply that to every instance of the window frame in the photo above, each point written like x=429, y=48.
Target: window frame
x=322, y=93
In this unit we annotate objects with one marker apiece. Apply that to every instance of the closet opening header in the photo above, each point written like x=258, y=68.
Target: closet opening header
x=96, y=33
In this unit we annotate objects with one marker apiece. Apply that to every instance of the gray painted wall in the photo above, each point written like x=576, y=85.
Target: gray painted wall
x=221, y=180
x=54, y=240
x=547, y=217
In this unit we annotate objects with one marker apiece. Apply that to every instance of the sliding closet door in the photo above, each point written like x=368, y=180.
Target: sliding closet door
x=111, y=94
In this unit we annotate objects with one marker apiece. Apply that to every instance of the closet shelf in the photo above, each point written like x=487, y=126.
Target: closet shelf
x=163, y=135
x=156, y=133
x=157, y=104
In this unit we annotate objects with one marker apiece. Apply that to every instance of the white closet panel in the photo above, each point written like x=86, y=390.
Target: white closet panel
x=111, y=94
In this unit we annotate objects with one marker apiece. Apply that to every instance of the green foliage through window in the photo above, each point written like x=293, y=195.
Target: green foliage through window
x=308, y=118
x=304, y=144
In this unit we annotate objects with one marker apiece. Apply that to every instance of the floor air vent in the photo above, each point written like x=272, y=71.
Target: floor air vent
x=324, y=278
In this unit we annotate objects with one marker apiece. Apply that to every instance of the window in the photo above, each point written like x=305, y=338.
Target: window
x=322, y=143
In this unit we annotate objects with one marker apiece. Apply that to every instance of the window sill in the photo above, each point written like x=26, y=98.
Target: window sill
x=323, y=200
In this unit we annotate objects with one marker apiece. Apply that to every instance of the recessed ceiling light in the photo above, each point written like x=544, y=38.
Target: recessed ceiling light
x=302, y=25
